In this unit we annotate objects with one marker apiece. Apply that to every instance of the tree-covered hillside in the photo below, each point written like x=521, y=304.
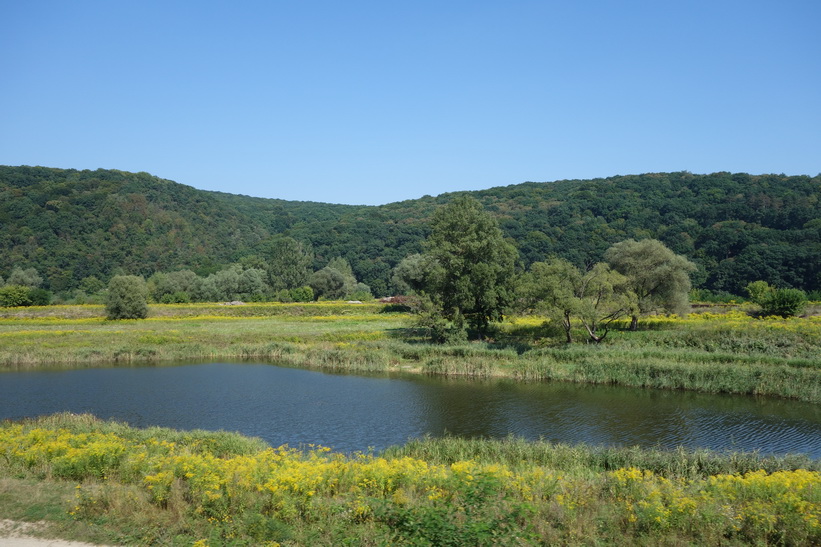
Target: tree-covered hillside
x=737, y=228
x=72, y=224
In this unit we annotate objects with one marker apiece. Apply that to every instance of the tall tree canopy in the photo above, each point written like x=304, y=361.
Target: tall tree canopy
x=597, y=297
x=659, y=277
x=473, y=264
x=288, y=262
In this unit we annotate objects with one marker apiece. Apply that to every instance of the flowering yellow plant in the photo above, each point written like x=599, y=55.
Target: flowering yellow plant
x=291, y=485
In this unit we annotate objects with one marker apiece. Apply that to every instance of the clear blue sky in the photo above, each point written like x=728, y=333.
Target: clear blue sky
x=375, y=102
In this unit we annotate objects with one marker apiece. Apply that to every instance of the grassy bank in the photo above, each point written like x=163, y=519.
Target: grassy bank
x=709, y=352
x=106, y=482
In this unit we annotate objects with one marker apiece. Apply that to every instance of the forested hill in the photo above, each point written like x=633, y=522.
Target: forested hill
x=71, y=224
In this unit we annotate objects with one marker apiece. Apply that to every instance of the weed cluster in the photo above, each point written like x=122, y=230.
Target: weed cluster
x=222, y=488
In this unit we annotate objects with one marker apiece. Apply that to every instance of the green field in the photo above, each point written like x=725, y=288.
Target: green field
x=710, y=352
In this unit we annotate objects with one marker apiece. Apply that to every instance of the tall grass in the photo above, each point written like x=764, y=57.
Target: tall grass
x=517, y=453
x=164, y=487
x=729, y=353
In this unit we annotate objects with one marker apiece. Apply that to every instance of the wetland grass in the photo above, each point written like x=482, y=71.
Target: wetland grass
x=714, y=353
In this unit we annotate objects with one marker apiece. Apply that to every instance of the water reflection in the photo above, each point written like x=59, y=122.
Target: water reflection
x=349, y=413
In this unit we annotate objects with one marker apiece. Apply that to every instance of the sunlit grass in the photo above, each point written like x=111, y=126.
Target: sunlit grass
x=162, y=486
x=719, y=353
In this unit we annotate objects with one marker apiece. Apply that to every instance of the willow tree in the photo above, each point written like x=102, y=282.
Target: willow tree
x=471, y=263
x=659, y=277
x=594, y=298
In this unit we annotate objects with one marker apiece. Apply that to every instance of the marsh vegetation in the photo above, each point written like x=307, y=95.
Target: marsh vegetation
x=712, y=352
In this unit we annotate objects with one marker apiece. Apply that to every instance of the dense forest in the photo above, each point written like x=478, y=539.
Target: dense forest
x=72, y=225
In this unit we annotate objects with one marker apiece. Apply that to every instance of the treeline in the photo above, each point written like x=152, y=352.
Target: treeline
x=72, y=226
x=286, y=276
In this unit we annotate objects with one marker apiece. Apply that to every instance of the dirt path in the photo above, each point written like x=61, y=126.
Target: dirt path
x=16, y=541
x=14, y=534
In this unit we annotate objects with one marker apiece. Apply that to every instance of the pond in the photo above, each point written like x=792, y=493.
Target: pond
x=356, y=412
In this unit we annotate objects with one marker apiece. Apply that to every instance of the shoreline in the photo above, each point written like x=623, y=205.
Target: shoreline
x=712, y=353
x=106, y=481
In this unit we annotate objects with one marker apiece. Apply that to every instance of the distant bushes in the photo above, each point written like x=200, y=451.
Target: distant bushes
x=22, y=288
x=12, y=296
x=713, y=297
x=300, y=294
x=777, y=302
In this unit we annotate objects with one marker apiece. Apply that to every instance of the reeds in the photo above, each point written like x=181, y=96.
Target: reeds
x=729, y=353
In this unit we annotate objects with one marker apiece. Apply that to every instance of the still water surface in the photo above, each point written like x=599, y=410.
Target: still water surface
x=354, y=412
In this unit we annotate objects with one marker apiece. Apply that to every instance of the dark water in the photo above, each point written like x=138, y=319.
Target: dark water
x=350, y=413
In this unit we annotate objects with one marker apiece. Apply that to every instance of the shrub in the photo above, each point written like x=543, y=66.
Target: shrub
x=302, y=294
x=758, y=291
x=783, y=302
x=178, y=297
x=283, y=295
x=361, y=292
x=127, y=298
x=12, y=296
x=39, y=297
x=440, y=330
x=712, y=297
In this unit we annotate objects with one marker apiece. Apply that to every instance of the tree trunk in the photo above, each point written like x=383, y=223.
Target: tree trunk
x=591, y=331
x=566, y=325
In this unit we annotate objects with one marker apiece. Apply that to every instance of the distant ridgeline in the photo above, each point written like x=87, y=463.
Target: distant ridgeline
x=70, y=225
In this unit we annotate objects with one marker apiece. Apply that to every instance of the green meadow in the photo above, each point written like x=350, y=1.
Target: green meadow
x=728, y=352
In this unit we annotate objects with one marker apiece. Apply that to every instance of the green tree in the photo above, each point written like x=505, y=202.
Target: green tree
x=596, y=297
x=604, y=296
x=127, y=298
x=288, y=263
x=360, y=292
x=550, y=287
x=473, y=265
x=252, y=284
x=179, y=286
x=233, y=283
x=342, y=266
x=25, y=277
x=327, y=284
x=659, y=277
x=39, y=297
x=91, y=285
x=412, y=274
